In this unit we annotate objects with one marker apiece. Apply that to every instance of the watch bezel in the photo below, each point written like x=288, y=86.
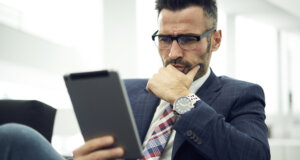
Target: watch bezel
x=180, y=108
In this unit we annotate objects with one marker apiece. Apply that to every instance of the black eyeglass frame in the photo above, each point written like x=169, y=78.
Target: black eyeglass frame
x=198, y=37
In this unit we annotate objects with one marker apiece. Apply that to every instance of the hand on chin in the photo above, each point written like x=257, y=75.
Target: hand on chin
x=169, y=84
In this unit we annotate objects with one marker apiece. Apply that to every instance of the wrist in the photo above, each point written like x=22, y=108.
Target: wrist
x=185, y=103
x=181, y=94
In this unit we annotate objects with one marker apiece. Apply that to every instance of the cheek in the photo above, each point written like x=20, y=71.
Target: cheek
x=196, y=56
x=164, y=54
x=193, y=59
x=201, y=50
x=199, y=54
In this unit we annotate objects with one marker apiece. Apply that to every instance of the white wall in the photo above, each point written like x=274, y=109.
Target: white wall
x=119, y=37
x=24, y=49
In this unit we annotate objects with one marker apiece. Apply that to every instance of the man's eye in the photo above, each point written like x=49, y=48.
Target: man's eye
x=185, y=40
x=164, y=39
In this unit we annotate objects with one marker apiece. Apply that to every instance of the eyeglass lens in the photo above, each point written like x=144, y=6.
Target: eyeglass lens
x=185, y=42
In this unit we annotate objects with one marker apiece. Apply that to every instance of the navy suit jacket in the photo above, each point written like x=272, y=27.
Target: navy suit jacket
x=228, y=122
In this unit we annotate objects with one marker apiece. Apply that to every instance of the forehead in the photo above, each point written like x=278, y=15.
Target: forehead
x=188, y=20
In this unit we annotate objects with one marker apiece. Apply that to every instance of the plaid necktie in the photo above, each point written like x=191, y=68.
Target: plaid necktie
x=160, y=136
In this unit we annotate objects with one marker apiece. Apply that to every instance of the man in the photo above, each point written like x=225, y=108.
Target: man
x=228, y=120
x=214, y=117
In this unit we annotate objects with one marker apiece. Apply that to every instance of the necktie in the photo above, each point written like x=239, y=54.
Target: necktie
x=160, y=136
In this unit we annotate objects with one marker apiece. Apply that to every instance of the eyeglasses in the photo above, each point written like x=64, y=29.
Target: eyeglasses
x=185, y=41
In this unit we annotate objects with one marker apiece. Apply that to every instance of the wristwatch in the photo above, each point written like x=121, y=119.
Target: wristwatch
x=185, y=103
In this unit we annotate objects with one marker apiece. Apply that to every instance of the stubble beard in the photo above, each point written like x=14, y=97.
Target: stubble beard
x=188, y=66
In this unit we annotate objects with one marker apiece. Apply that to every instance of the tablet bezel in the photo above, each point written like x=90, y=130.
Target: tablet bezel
x=96, y=96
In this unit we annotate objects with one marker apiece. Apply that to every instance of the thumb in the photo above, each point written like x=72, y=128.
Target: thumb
x=192, y=73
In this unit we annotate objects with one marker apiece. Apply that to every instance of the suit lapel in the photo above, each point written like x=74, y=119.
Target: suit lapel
x=208, y=92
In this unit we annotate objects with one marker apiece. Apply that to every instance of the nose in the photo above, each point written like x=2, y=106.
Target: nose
x=175, y=51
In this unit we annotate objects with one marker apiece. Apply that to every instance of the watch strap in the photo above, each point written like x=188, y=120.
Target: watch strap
x=193, y=97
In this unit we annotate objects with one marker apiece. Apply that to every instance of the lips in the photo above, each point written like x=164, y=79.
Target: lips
x=179, y=67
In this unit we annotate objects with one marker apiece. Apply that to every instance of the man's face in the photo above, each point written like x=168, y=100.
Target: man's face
x=187, y=21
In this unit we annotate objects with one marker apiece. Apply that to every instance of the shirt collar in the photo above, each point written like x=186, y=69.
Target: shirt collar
x=199, y=82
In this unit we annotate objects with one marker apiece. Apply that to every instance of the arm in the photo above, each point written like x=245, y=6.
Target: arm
x=241, y=136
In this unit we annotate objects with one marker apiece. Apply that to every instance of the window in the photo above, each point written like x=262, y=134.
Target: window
x=256, y=58
x=292, y=51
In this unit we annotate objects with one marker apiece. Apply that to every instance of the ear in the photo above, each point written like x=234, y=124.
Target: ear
x=216, y=40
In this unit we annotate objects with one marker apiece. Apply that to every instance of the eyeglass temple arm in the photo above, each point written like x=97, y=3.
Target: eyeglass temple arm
x=207, y=33
x=154, y=34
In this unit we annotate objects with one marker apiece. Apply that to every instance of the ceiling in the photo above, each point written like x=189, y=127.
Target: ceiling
x=283, y=14
x=291, y=6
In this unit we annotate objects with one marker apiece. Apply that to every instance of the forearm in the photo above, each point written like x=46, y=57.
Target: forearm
x=214, y=138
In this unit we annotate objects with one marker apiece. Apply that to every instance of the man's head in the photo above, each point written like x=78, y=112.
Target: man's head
x=209, y=7
x=182, y=21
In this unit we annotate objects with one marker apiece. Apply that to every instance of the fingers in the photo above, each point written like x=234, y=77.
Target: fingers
x=94, y=144
x=148, y=89
x=192, y=73
x=104, y=154
x=172, y=68
x=96, y=149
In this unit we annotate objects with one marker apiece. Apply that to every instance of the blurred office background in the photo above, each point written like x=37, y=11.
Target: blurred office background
x=41, y=40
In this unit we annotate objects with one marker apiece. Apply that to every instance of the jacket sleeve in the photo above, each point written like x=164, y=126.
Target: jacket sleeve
x=241, y=135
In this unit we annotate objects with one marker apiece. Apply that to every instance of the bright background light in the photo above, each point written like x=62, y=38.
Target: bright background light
x=41, y=40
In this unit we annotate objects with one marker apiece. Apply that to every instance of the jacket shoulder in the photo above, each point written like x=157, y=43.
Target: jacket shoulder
x=241, y=89
x=135, y=84
x=240, y=84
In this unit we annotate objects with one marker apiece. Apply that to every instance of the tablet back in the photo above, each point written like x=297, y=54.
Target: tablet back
x=102, y=108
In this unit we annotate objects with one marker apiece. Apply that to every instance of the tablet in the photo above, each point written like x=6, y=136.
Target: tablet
x=102, y=108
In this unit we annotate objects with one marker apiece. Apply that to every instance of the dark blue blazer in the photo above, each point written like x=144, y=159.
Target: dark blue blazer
x=227, y=124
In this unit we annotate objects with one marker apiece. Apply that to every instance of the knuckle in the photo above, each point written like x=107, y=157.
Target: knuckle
x=153, y=78
x=78, y=152
x=75, y=153
x=162, y=69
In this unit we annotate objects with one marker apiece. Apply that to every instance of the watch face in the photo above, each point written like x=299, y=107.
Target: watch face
x=183, y=104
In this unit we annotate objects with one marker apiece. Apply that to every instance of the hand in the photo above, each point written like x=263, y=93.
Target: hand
x=169, y=83
x=94, y=150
